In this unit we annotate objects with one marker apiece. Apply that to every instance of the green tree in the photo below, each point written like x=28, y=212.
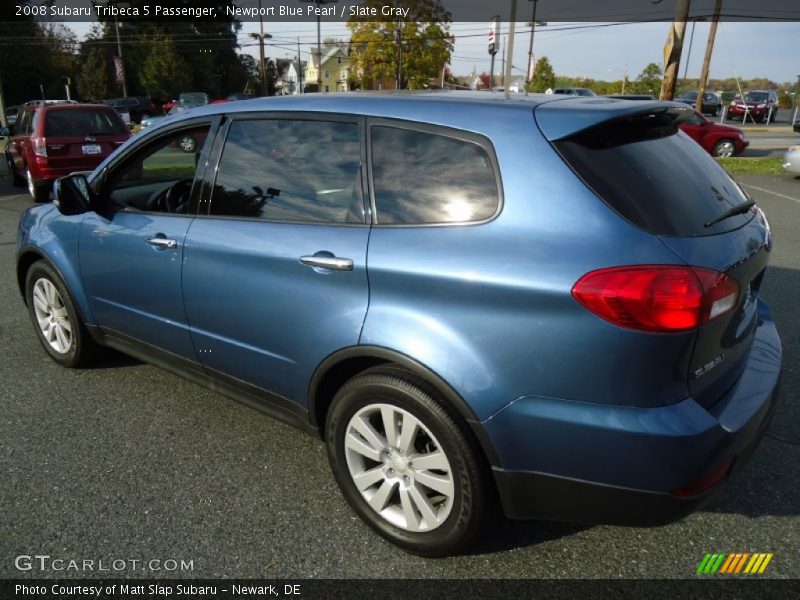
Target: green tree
x=544, y=77
x=164, y=74
x=92, y=82
x=649, y=80
x=423, y=39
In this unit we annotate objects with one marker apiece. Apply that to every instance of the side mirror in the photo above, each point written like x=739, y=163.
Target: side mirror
x=71, y=194
x=5, y=132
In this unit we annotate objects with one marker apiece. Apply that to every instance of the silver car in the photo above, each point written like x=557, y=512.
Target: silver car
x=791, y=161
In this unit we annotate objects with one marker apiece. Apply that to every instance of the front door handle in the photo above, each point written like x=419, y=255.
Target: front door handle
x=327, y=262
x=163, y=243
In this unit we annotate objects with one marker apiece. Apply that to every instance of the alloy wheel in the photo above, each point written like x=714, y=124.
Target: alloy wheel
x=724, y=149
x=51, y=315
x=399, y=467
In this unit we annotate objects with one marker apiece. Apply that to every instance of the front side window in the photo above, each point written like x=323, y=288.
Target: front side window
x=290, y=170
x=422, y=177
x=159, y=178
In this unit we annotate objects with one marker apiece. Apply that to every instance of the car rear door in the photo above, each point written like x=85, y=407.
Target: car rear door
x=79, y=138
x=274, y=275
x=132, y=248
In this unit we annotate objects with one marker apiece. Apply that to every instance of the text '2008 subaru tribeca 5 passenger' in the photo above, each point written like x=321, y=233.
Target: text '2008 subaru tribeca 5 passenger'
x=550, y=300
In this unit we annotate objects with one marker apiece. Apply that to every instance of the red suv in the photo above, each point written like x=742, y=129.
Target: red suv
x=758, y=105
x=52, y=140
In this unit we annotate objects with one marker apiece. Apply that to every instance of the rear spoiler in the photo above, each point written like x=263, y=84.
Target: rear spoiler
x=563, y=119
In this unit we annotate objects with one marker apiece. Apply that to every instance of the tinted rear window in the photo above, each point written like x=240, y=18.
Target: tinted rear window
x=655, y=176
x=422, y=177
x=82, y=122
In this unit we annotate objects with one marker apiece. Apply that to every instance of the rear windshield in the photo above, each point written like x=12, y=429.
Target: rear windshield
x=78, y=122
x=655, y=176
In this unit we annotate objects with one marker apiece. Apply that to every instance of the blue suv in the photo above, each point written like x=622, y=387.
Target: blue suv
x=549, y=301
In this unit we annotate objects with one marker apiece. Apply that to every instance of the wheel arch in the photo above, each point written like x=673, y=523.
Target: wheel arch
x=341, y=366
x=29, y=256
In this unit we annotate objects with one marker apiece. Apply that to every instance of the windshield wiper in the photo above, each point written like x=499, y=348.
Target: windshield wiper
x=731, y=212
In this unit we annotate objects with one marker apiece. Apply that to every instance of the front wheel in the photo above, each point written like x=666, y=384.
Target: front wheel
x=55, y=319
x=724, y=149
x=406, y=463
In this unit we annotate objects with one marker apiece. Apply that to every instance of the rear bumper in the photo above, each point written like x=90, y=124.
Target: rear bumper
x=574, y=461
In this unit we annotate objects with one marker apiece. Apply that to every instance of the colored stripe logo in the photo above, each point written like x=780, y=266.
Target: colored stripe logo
x=736, y=562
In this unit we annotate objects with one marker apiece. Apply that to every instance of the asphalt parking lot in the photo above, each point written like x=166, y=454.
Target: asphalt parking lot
x=126, y=461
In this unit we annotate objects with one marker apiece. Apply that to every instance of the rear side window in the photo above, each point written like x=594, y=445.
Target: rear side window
x=655, y=176
x=82, y=122
x=290, y=170
x=428, y=178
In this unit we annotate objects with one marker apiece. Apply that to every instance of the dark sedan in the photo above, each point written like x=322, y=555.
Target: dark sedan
x=712, y=105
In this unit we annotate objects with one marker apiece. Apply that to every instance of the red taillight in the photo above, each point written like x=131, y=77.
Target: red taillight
x=657, y=298
x=704, y=483
x=39, y=146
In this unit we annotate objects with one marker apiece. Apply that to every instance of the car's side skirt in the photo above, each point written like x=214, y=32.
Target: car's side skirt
x=274, y=405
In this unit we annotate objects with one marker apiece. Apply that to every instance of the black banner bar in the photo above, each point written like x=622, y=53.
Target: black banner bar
x=344, y=10
x=732, y=588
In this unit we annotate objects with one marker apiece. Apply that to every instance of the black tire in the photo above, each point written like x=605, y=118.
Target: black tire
x=472, y=495
x=40, y=192
x=16, y=179
x=82, y=348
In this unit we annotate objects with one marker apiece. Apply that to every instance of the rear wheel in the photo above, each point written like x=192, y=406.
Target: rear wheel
x=40, y=192
x=724, y=149
x=55, y=319
x=406, y=464
x=16, y=180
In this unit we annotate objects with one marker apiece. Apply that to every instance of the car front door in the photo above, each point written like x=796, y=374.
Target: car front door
x=132, y=248
x=275, y=273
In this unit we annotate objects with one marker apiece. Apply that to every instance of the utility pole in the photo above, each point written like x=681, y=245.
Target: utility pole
x=261, y=49
x=673, y=48
x=492, y=48
x=510, y=50
x=121, y=64
x=701, y=86
x=319, y=39
x=531, y=63
x=299, y=69
x=399, y=39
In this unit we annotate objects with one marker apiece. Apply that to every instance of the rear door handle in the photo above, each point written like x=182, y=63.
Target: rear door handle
x=327, y=262
x=163, y=243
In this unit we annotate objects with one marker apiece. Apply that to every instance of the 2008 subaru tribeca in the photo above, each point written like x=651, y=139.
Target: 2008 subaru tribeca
x=550, y=300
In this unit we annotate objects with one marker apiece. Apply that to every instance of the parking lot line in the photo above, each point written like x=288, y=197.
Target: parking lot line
x=752, y=187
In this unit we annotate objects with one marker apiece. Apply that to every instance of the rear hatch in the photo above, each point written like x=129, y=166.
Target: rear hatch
x=634, y=157
x=80, y=137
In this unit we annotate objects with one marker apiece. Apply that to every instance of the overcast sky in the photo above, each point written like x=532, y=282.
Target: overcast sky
x=585, y=50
